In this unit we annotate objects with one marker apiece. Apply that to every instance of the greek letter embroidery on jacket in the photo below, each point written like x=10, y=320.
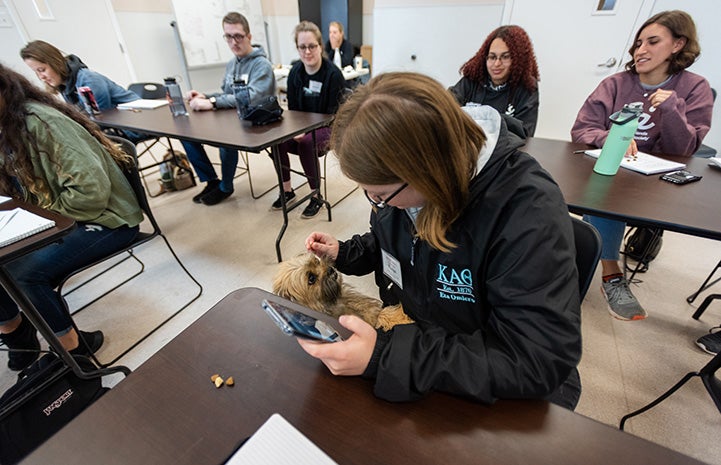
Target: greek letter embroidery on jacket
x=455, y=284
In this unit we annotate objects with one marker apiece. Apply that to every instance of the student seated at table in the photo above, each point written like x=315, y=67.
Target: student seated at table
x=337, y=49
x=314, y=85
x=54, y=157
x=64, y=74
x=250, y=65
x=503, y=74
x=471, y=235
x=677, y=116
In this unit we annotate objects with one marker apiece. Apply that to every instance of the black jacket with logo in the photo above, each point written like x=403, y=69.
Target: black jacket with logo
x=498, y=316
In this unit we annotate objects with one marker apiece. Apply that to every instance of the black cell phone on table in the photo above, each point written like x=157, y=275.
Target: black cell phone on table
x=296, y=323
x=680, y=177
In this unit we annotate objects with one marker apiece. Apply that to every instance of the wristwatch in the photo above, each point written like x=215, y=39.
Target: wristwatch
x=213, y=101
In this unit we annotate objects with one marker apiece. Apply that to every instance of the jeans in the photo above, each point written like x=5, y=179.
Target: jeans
x=611, y=232
x=40, y=272
x=204, y=168
x=307, y=153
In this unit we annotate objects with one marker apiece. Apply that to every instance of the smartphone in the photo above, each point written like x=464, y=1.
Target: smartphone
x=296, y=323
x=680, y=177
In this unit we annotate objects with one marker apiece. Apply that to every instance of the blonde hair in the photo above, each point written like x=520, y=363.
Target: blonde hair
x=405, y=127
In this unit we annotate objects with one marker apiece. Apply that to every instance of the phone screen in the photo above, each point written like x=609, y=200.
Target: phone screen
x=295, y=323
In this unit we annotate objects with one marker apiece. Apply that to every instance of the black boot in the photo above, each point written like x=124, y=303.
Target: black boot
x=24, y=337
x=89, y=343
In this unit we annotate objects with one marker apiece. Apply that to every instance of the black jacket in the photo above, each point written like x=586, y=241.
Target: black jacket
x=519, y=103
x=302, y=97
x=499, y=316
x=346, y=53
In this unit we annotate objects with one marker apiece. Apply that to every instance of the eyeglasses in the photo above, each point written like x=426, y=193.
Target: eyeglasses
x=384, y=202
x=234, y=37
x=311, y=47
x=504, y=58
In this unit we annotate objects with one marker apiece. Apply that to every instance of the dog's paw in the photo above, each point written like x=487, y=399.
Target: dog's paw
x=392, y=316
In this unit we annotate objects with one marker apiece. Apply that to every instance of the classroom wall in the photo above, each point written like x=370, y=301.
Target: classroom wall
x=442, y=36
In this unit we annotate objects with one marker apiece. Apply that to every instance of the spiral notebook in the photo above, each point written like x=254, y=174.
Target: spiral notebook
x=277, y=442
x=644, y=163
x=18, y=224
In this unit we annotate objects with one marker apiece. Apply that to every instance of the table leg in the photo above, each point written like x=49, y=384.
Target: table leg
x=284, y=207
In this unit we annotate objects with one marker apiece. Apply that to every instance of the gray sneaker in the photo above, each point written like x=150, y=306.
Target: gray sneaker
x=621, y=302
x=711, y=342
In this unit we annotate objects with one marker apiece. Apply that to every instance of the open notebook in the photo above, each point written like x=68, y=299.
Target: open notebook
x=277, y=442
x=644, y=163
x=142, y=104
x=18, y=224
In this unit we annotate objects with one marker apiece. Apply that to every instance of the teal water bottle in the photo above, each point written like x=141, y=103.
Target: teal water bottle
x=623, y=126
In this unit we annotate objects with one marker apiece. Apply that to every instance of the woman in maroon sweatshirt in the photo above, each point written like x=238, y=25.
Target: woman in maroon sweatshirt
x=678, y=106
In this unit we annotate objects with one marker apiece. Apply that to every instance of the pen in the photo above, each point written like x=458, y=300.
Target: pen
x=578, y=151
x=134, y=110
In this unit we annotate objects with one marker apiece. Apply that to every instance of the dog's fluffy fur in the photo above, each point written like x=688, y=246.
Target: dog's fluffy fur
x=313, y=282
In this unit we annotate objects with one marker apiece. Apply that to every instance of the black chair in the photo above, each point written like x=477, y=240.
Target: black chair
x=710, y=382
x=588, y=252
x=705, y=151
x=133, y=176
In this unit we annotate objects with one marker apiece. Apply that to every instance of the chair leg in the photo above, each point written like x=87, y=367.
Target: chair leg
x=706, y=302
x=250, y=180
x=193, y=299
x=658, y=400
x=324, y=180
x=139, y=341
x=705, y=284
x=130, y=255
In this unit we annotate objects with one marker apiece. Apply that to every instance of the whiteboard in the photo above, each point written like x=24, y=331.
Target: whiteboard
x=201, y=31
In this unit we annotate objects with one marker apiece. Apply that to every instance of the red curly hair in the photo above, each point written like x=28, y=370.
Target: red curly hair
x=524, y=69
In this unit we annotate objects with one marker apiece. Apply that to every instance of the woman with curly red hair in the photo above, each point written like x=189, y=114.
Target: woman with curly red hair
x=503, y=74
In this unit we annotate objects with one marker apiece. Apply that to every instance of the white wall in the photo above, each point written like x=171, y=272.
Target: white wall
x=432, y=39
x=441, y=35
x=12, y=40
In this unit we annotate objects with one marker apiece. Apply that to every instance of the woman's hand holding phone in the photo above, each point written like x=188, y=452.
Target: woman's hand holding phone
x=349, y=357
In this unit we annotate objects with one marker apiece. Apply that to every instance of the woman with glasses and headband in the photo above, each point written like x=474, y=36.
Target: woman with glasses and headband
x=474, y=239
x=503, y=74
x=315, y=85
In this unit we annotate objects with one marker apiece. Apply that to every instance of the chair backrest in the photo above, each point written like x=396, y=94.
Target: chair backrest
x=588, y=252
x=133, y=176
x=148, y=90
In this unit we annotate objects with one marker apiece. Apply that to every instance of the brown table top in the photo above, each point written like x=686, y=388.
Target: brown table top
x=63, y=225
x=633, y=197
x=168, y=411
x=219, y=128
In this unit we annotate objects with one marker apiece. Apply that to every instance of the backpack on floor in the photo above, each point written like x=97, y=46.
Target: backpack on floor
x=637, y=240
x=175, y=178
x=45, y=398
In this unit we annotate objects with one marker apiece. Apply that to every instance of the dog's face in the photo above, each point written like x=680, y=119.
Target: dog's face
x=308, y=280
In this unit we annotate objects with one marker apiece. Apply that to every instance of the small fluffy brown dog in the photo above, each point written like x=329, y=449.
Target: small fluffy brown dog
x=313, y=282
